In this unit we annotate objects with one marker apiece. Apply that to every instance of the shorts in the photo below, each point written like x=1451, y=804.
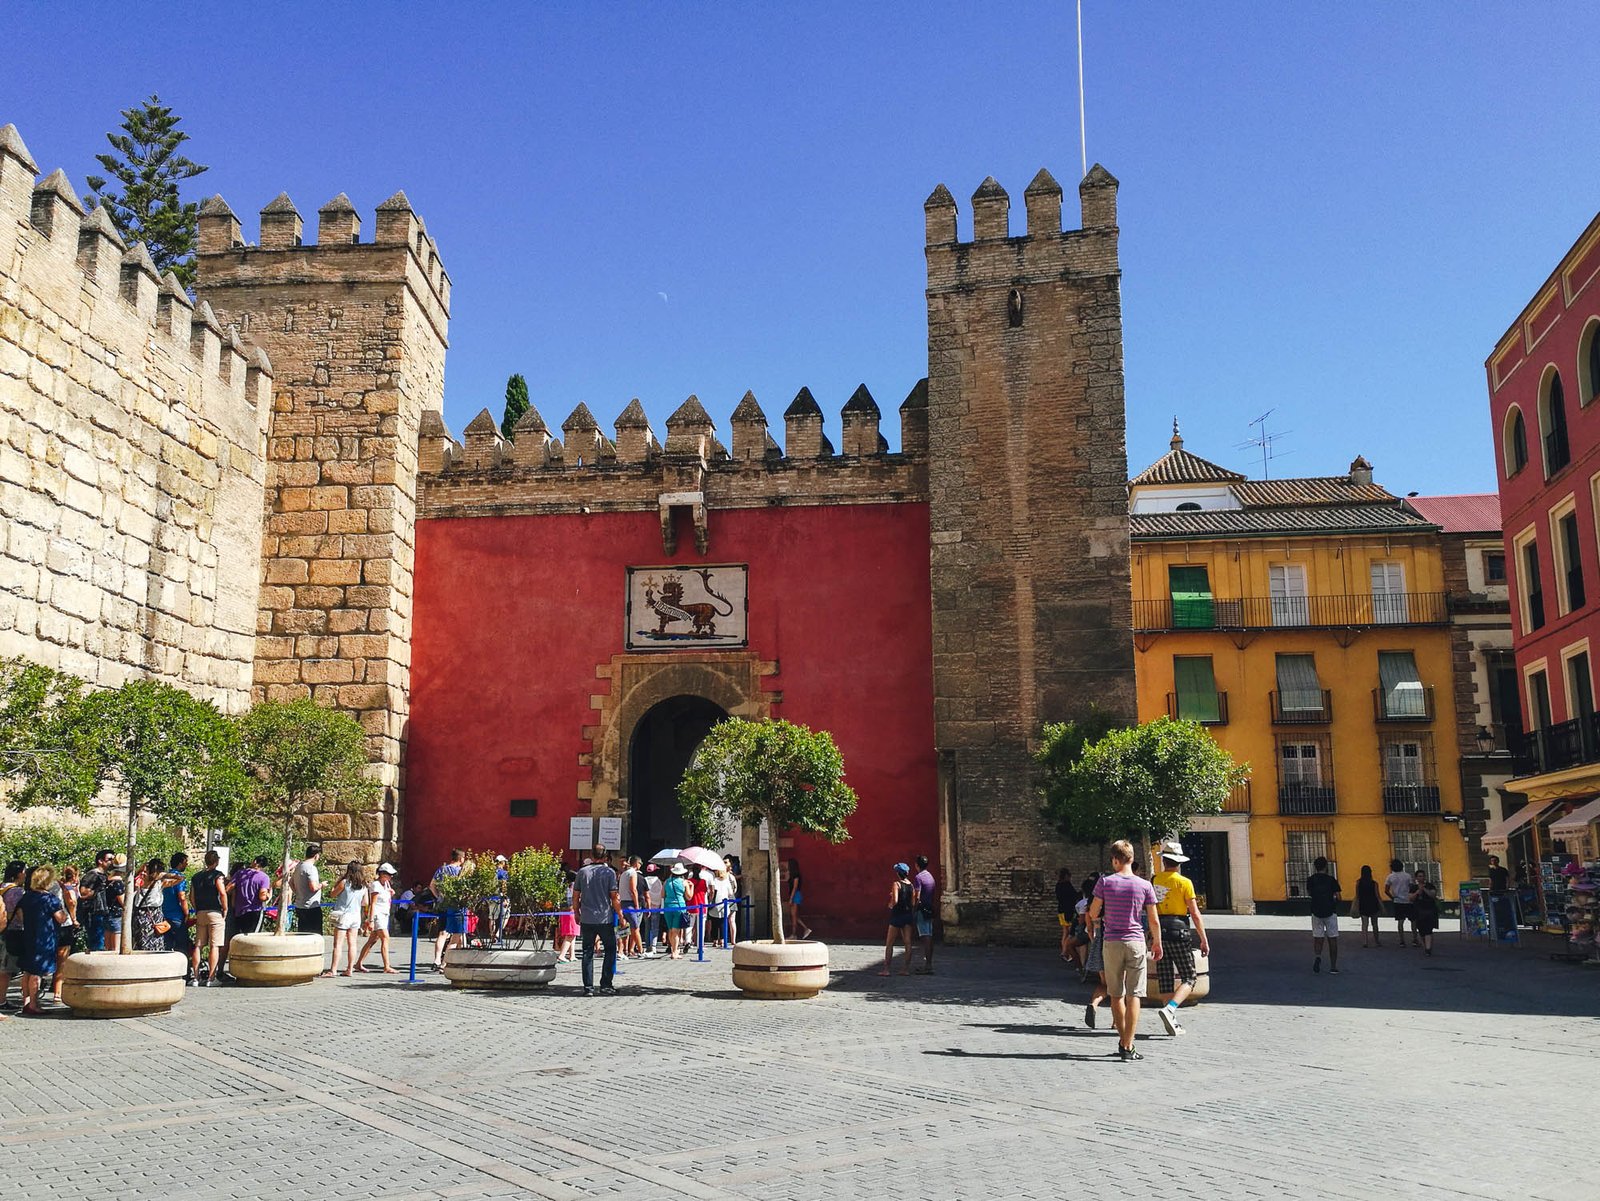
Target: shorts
x=455, y=921
x=924, y=925
x=1325, y=927
x=308, y=920
x=676, y=919
x=1401, y=910
x=10, y=965
x=1127, y=968
x=177, y=938
x=380, y=920
x=899, y=921
x=1177, y=960
x=208, y=928
x=1425, y=923
x=633, y=920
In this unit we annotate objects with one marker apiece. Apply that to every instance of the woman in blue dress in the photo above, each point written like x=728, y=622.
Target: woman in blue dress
x=41, y=913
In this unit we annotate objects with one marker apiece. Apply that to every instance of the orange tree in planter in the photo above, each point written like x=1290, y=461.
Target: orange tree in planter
x=301, y=758
x=774, y=771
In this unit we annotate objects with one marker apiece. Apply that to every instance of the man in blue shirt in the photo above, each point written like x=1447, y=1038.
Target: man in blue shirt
x=175, y=910
x=596, y=905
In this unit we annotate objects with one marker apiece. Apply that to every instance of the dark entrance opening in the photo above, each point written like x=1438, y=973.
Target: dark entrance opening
x=1207, y=870
x=663, y=743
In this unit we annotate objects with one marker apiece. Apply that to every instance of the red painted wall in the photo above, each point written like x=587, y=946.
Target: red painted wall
x=513, y=615
x=1526, y=498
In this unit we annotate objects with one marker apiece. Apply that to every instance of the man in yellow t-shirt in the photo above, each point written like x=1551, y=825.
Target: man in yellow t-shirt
x=1177, y=909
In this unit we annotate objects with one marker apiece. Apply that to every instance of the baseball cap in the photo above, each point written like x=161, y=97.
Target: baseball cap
x=386, y=867
x=501, y=859
x=902, y=867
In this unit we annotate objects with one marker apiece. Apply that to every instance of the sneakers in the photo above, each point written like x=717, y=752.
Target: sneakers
x=1169, y=1019
x=1316, y=964
x=1333, y=971
x=1128, y=1054
x=588, y=992
x=607, y=990
x=1088, y=1015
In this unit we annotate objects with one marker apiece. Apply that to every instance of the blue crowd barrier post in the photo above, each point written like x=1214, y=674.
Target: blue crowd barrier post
x=700, y=925
x=416, y=923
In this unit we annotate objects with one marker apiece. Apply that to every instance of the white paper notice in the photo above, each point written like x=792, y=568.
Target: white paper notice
x=580, y=834
x=611, y=833
x=762, y=838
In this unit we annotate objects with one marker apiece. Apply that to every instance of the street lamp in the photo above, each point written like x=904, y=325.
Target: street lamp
x=1485, y=740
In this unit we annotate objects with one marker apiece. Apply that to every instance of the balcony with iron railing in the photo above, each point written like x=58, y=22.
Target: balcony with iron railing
x=1403, y=704
x=1405, y=799
x=1556, y=747
x=1302, y=708
x=1207, y=708
x=1305, y=800
x=1332, y=612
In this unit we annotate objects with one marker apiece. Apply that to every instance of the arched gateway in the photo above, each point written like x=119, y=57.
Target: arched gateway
x=663, y=743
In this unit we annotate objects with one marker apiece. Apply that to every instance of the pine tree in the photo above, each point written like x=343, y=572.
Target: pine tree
x=146, y=164
x=516, y=406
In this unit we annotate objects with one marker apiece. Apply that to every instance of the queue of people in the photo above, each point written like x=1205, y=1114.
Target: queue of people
x=49, y=913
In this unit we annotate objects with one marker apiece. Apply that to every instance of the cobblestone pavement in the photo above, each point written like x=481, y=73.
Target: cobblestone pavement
x=1470, y=1074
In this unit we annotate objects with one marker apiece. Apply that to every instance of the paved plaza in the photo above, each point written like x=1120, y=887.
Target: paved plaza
x=1466, y=1075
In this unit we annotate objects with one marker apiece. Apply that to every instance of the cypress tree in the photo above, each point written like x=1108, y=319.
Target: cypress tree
x=516, y=406
x=147, y=167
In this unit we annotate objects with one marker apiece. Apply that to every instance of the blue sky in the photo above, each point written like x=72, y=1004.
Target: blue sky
x=1327, y=211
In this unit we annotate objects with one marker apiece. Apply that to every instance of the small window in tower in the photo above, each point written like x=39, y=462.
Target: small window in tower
x=1189, y=506
x=1014, y=307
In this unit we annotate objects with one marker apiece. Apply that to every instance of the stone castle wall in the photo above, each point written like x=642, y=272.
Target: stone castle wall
x=357, y=332
x=1027, y=480
x=131, y=455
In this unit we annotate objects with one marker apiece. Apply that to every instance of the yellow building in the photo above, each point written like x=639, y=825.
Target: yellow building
x=1304, y=622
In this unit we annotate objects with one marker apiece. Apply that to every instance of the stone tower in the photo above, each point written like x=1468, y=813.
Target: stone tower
x=1027, y=479
x=357, y=332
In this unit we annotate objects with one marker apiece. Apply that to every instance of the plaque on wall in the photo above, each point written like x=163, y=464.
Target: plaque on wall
x=688, y=608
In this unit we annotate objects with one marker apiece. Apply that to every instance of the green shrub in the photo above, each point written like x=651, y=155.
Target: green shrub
x=35, y=842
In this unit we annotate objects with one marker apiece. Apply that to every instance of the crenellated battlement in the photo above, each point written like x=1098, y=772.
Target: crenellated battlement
x=399, y=248
x=1041, y=249
x=585, y=471
x=72, y=262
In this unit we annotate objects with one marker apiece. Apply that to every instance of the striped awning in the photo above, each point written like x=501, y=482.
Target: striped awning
x=1498, y=836
x=1576, y=824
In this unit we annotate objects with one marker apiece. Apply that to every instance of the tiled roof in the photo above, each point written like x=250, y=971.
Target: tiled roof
x=1312, y=519
x=1178, y=466
x=1474, y=513
x=1309, y=490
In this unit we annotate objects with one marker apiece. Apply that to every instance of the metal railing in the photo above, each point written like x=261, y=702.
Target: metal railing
x=1414, y=704
x=1410, y=798
x=1305, y=800
x=1554, y=747
x=1210, y=715
x=1336, y=611
x=1299, y=713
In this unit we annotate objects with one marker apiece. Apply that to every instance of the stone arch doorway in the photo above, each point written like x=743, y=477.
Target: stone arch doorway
x=732, y=682
x=663, y=743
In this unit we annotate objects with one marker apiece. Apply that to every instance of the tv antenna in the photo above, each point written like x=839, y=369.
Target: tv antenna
x=1263, y=441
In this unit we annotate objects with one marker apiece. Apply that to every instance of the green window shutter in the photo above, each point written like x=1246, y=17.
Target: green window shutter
x=1196, y=687
x=1192, y=606
x=1299, y=689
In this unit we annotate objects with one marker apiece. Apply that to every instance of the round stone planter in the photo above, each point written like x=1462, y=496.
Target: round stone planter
x=790, y=971
x=1202, y=982
x=499, y=967
x=105, y=984
x=274, y=960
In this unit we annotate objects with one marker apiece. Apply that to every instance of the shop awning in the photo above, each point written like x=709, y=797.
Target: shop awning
x=1498, y=836
x=1576, y=824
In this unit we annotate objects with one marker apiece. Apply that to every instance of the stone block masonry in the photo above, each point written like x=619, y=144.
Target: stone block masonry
x=131, y=455
x=357, y=332
x=1027, y=475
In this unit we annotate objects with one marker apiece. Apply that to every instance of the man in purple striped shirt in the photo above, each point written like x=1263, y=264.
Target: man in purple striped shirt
x=1120, y=900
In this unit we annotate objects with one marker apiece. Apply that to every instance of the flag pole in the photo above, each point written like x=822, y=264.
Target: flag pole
x=1083, y=141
